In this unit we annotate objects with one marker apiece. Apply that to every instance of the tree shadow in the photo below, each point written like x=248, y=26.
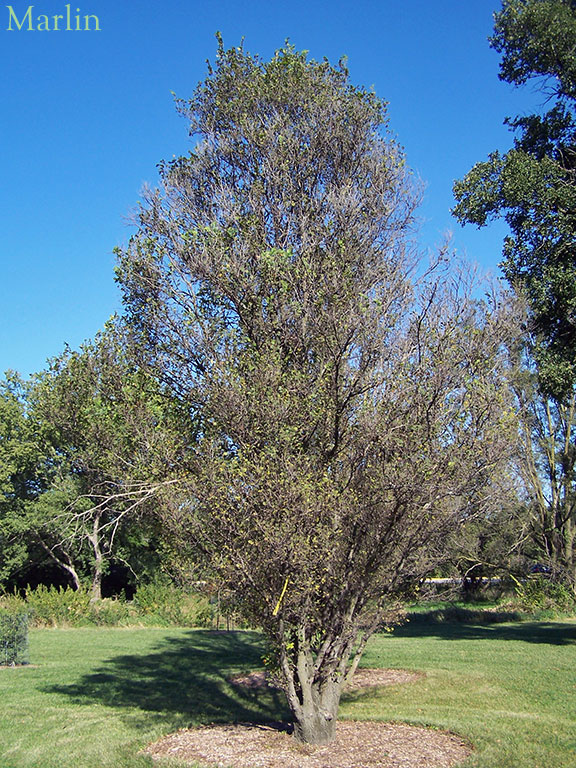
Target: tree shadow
x=184, y=681
x=473, y=628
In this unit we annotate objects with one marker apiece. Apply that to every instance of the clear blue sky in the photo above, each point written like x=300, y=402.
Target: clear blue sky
x=86, y=116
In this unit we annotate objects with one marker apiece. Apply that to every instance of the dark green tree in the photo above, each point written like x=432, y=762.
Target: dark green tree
x=533, y=186
x=25, y=472
x=349, y=416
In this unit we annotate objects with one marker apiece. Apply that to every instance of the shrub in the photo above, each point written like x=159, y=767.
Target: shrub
x=164, y=603
x=198, y=611
x=13, y=637
x=55, y=606
x=542, y=594
x=161, y=600
x=158, y=603
x=109, y=612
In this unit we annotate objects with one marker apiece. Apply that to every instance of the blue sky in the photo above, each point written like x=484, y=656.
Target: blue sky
x=86, y=116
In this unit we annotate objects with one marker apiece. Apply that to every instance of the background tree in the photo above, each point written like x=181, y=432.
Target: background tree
x=547, y=466
x=114, y=433
x=534, y=184
x=25, y=472
x=534, y=187
x=348, y=416
x=494, y=545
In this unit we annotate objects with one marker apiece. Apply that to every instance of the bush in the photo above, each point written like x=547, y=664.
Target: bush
x=159, y=603
x=542, y=594
x=57, y=607
x=54, y=606
x=162, y=602
x=13, y=637
x=109, y=612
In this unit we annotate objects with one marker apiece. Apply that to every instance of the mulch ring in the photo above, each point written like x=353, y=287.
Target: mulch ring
x=364, y=678
x=357, y=745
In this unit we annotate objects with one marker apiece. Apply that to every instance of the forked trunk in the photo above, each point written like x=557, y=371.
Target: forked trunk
x=314, y=682
x=65, y=562
x=315, y=710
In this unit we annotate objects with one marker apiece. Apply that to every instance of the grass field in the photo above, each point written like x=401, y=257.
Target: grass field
x=91, y=698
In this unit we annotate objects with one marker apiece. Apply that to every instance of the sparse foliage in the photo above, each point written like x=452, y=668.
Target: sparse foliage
x=349, y=415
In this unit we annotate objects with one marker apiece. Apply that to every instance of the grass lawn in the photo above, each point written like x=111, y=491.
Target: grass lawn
x=93, y=697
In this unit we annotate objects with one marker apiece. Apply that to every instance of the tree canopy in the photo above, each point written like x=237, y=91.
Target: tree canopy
x=533, y=185
x=349, y=414
x=86, y=447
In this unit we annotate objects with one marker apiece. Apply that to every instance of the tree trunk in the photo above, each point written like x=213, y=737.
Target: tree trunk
x=315, y=718
x=64, y=562
x=315, y=726
x=313, y=696
x=73, y=575
x=96, y=583
x=98, y=566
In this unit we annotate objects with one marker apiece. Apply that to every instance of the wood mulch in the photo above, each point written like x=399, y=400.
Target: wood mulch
x=364, y=678
x=357, y=744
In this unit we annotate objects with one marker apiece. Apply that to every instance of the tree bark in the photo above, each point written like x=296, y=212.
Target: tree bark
x=315, y=725
x=96, y=583
x=313, y=691
x=64, y=562
x=98, y=567
x=315, y=717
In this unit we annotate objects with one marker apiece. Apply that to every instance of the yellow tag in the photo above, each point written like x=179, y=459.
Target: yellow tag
x=275, y=611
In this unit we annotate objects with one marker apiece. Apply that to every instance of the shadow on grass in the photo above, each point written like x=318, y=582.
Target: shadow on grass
x=184, y=681
x=473, y=626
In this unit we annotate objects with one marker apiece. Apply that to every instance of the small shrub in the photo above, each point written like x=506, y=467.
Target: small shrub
x=164, y=603
x=160, y=600
x=544, y=595
x=12, y=603
x=197, y=610
x=54, y=606
x=109, y=612
x=13, y=637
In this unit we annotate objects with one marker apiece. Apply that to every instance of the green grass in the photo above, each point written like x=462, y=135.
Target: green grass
x=94, y=697
x=510, y=689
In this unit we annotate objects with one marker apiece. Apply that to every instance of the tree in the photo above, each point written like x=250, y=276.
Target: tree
x=547, y=466
x=349, y=416
x=24, y=474
x=534, y=184
x=534, y=187
x=115, y=437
